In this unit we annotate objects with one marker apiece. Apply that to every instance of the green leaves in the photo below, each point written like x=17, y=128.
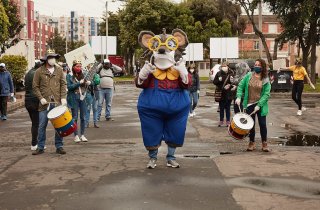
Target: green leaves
x=16, y=65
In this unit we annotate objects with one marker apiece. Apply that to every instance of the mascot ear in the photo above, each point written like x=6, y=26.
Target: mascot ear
x=182, y=37
x=144, y=37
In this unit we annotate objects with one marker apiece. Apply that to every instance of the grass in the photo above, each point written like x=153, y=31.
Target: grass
x=124, y=78
x=307, y=88
x=204, y=78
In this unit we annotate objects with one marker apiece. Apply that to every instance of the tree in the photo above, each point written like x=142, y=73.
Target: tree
x=58, y=44
x=301, y=21
x=4, y=25
x=249, y=7
x=16, y=65
x=14, y=27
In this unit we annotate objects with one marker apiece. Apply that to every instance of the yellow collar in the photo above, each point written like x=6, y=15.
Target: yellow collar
x=170, y=73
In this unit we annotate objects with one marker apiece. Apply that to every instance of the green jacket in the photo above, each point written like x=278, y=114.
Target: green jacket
x=264, y=97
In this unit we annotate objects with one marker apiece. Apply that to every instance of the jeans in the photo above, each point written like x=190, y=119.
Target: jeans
x=262, y=124
x=32, y=108
x=3, y=105
x=105, y=94
x=224, y=105
x=297, y=89
x=43, y=123
x=170, y=154
x=82, y=107
x=94, y=106
x=194, y=100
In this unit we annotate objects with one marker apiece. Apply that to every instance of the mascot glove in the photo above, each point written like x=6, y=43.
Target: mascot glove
x=256, y=108
x=88, y=83
x=147, y=69
x=63, y=102
x=43, y=101
x=181, y=68
x=238, y=101
x=12, y=94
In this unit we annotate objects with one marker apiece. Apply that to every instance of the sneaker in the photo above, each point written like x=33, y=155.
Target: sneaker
x=4, y=117
x=83, y=138
x=251, y=146
x=77, y=139
x=109, y=119
x=173, y=164
x=220, y=124
x=191, y=115
x=227, y=123
x=265, y=147
x=38, y=151
x=34, y=148
x=96, y=125
x=61, y=151
x=303, y=109
x=194, y=113
x=87, y=125
x=152, y=163
x=299, y=113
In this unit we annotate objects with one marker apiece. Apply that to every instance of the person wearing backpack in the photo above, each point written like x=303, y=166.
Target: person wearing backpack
x=106, y=87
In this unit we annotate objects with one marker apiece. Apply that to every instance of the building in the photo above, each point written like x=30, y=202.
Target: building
x=42, y=33
x=271, y=28
x=75, y=27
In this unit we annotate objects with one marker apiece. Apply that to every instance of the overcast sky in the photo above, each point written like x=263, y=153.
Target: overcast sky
x=92, y=8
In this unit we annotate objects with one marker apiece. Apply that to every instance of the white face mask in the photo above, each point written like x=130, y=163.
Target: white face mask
x=225, y=69
x=51, y=61
x=191, y=70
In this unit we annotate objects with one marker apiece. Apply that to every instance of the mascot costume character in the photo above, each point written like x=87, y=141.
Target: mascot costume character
x=163, y=105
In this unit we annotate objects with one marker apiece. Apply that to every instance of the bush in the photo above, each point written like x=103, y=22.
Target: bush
x=16, y=65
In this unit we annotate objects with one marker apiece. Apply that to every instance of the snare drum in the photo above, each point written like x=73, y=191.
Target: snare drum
x=62, y=121
x=240, y=126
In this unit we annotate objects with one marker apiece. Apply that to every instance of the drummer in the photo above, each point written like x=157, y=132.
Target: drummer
x=49, y=86
x=77, y=86
x=255, y=89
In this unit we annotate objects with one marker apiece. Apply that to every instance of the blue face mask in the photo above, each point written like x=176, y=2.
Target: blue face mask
x=257, y=69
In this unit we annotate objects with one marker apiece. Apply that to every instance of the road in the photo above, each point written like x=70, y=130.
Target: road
x=108, y=172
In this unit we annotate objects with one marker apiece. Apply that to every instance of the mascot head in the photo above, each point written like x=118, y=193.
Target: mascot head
x=166, y=49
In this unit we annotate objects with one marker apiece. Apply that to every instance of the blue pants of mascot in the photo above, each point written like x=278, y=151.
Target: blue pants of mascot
x=163, y=114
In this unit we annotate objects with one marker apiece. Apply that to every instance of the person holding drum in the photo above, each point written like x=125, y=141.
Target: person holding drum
x=77, y=88
x=255, y=89
x=49, y=86
x=223, y=83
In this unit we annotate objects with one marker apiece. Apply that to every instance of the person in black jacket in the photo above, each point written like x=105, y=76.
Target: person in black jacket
x=223, y=83
x=32, y=104
x=194, y=90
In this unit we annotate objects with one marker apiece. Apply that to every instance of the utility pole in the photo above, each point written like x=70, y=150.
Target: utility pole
x=107, y=29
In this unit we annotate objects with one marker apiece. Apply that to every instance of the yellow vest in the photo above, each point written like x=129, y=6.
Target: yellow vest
x=170, y=73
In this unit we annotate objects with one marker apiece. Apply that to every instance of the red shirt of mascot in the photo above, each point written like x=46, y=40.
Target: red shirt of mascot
x=163, y=105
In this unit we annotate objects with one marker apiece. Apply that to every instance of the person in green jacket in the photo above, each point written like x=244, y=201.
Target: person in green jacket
x=255, y=87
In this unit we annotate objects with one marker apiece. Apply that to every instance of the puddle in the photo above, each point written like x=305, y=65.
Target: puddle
x=300, y=140
x=196, y=156
x=225, y=153
x=285, y=186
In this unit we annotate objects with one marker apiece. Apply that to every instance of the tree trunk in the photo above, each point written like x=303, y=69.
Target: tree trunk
x=313, y=62
x=275, y=49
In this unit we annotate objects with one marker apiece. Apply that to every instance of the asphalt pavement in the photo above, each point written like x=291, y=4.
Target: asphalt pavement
x=109, y=171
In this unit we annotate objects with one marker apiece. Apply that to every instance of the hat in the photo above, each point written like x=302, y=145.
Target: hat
x=2, y=65
x=50, y=53
x=76, y=62
x=106, y=61
x=298, y=60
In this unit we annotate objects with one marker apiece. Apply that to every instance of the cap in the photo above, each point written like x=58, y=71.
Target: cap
x=106, y=61
x=2, y=65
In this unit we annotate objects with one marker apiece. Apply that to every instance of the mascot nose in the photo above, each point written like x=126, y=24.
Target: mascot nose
x=162, y=51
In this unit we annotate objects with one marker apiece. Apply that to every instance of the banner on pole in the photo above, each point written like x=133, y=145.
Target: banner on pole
x=224, y=47
x=84, y=53
x=99, y=47
x=194, y=52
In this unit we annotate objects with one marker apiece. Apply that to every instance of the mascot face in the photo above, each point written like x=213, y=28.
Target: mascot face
x=166, y=48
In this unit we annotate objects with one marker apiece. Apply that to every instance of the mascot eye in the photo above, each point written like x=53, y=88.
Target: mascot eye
x=172, y=44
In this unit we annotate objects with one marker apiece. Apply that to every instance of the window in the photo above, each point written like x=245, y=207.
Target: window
x=273, y=28
x=256, y=45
